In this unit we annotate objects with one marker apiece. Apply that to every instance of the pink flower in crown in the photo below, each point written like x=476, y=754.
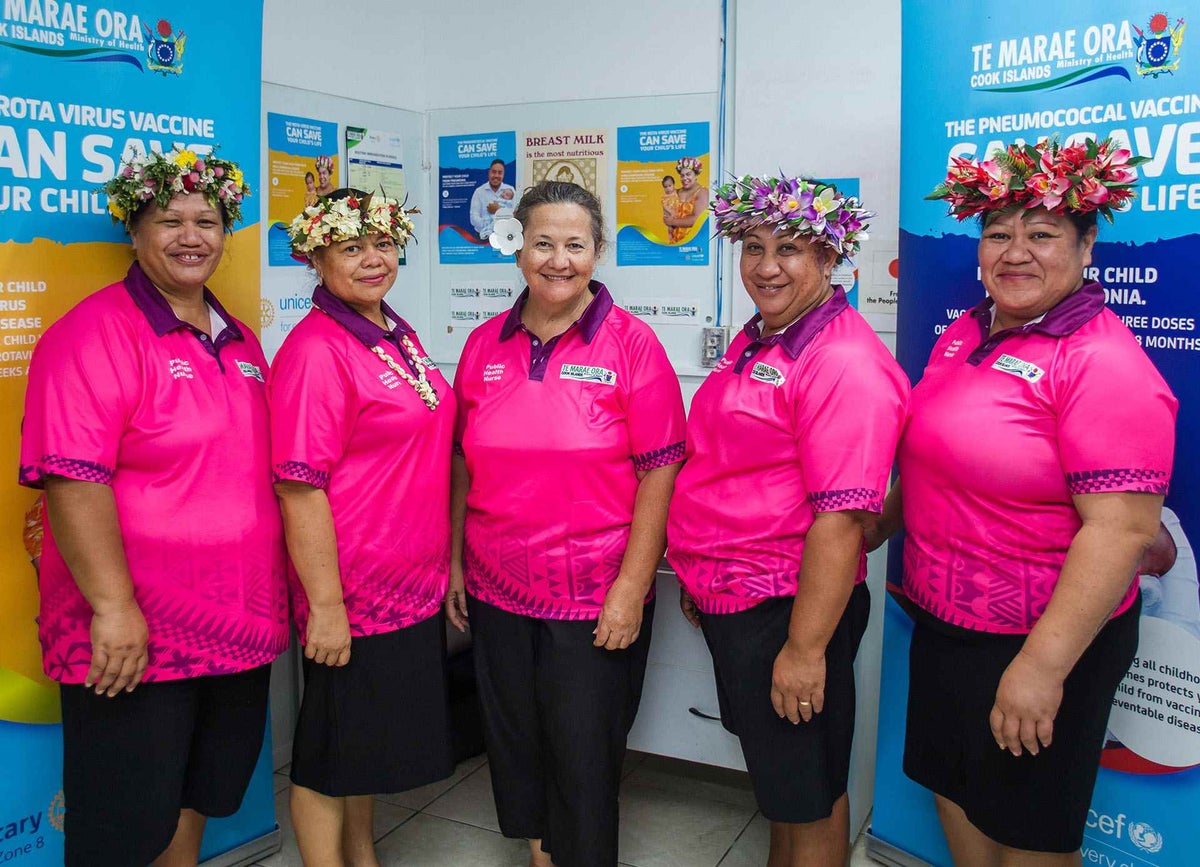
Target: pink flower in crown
x=964, y=171
x=1046, y=191
x=218, y=172
x=1093, y=192
x=127, y=172
x=199, y=166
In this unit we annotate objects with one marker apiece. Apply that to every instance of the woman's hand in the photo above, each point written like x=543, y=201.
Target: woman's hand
x=798, y=683
x=327, y=638
x=455, y=603
x=688, y=606
x=621, y=617
x=119, y=655
x=1027, y=701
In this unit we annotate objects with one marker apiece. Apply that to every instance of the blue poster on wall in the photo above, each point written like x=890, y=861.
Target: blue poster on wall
x=476, y=186
x=972, y=82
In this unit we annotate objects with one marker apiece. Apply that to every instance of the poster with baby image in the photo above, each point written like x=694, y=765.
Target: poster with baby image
x=663, y=175
x=303, y=164
x=476, y=186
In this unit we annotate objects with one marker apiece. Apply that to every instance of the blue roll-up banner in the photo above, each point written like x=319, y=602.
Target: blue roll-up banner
x=83, y=86
x=974, y=79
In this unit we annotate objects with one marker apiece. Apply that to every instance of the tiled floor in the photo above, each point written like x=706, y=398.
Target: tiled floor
x=673, y=814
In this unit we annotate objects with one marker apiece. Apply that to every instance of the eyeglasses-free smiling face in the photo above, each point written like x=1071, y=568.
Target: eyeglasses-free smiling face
x=559, y=256
x=785, y=277
x=359, y=271
x=179, y=246
x=1029, y=261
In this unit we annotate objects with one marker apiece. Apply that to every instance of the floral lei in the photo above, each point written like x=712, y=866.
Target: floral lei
x=159, y=177
x=692, y=163
x=332, y=220
x=799, y=205
x=1078, y=179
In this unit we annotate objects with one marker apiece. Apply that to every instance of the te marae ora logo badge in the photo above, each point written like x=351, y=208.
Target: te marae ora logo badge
x=165, y=52
x=1159, y=45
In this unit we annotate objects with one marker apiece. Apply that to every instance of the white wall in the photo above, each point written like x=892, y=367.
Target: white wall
x=374, y=52
x=550, y=50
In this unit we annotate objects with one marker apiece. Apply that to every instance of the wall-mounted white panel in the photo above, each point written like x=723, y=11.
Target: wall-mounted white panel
x=287, y=289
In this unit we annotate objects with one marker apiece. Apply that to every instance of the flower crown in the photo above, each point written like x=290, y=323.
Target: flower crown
x=1076, y=179
x=801, y=206
x=159, y=177
x=353, y=215
x=324, y=162
x=692, y=163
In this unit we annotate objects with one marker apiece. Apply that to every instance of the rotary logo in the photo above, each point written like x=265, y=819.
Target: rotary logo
x=267, y=312
x=1143, y=835
x=57, y=811
x=1158, y=46
x=165, y=51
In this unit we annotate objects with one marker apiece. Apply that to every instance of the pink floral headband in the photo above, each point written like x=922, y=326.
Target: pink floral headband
x=799, y=206
x=1076, y=179
x=692, y=163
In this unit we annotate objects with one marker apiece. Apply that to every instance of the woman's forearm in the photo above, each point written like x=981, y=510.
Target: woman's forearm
x=83, y=517
x=829, y=565
x=460, y=483
x=311, y=541
x=1101, y=562
x=648, y=532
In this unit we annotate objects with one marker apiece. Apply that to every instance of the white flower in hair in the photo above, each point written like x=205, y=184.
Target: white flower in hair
x=507, y=236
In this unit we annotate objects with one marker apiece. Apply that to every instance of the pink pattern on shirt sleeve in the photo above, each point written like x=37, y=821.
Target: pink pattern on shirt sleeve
x=847, y=499
x=33, y=475
x=1125, y=480
x=298, y=471
x=663, y=457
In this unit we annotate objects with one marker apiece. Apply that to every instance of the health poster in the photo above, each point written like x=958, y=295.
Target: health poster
x=579, y=156
x=663, y=176
x=303, y=164
x=476, y=186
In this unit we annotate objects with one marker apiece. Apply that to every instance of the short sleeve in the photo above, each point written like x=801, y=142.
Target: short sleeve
x=849, y=411
x=312, y=399
x=1116, y=419
x=654, y=411
x=84, y=380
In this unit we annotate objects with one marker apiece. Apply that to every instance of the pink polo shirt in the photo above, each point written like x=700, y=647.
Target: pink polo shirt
x=553, y=437
x=801, y=422
x=342, y=420
x=1003, y=431
x=123, y=393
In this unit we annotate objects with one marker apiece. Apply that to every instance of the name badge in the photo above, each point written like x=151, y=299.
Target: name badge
x=768, y=374
x=588, y=373
x=250, y=370
x=1014, y=366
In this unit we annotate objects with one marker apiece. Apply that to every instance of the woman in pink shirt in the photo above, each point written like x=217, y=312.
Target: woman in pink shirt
x=790, y=442
x=162, y=576
x=361, y=424
x=1027, y=505
x=570, y=433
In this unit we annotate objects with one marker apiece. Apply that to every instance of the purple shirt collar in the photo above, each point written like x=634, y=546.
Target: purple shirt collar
x=589, y=321
x=159, y=313
x=1065, y=317
x=360, y=326
x=801, y=332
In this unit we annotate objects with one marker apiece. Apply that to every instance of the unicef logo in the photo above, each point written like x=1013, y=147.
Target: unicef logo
x=1145, y=837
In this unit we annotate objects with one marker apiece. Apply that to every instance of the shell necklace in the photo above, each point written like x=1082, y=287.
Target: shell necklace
x=419, y=383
